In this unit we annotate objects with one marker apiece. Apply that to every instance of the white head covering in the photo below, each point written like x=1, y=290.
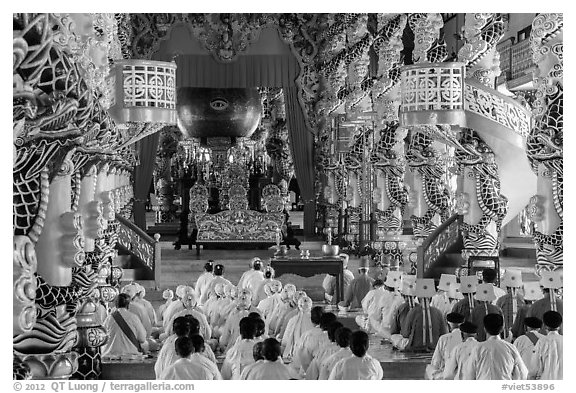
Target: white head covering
x=168, y=294
x=219, y=289
x=550, y=279
x=409, y=285
x=276, y=286
x=485, y=293
x=512, y=278
x=253, y=260
x=394, y=279
x=345, y=259
x=447, y=282
x=532, y=291
x=425, y=287
x=288, y=292
x=129, y=290
x=140, y=289
x=454, y=293
x=267, y=289
x=305, y=303
x=180, y=291
x=189, y=299
x=468, y=284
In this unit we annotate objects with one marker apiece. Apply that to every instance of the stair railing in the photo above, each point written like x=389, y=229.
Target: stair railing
x=436, y=244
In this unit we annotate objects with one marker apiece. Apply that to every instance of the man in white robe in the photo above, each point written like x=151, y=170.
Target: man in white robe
x=167, y=354
x=313, y=371
x=359, y=366
x=272, y=367
x=190, y=308
x=292, y=312
x=241, y=353
x=168, y=296
x=446, y=343
x=218, y=277
x=329, y=283
x=140, y=298
x=231, y=329
x=176, y=306
x=495, y=359
x=118, y=343
x=441, y=299
x=296, y=327
x=251, y=278
x=380, y=321
x=311, y=342
x=454, y=368
x=490, y=276
x=259, y=292
x=137, y=308
x=199, y=357
x=548, y=353
x=343, y=340
x=526, y=343
x=185, y=368
x=204, y=281
x=286, y=296
x=272, y=301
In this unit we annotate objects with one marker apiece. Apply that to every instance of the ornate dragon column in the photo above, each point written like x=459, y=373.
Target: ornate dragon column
x=544, y=145
x=163, y=187
x=353, y=162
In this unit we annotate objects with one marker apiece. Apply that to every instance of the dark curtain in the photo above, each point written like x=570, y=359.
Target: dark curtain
x=143, y=176
x=302, y=145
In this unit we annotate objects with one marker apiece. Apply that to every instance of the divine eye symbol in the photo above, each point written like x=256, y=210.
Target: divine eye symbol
x=219, y=104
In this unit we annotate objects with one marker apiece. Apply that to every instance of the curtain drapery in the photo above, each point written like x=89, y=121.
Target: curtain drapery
x=143, y=176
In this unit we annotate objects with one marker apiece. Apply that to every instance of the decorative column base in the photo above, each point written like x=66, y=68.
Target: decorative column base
x=89, y=363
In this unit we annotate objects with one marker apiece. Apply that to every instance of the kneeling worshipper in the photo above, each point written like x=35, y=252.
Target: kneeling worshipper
x=408, y=292
x=358, y=287
x=550, y=282
x=259, y=292
x=195, y=330
x=214, y=304
x=199, y=357
x=176, y=306
x=511, y=302
x=272, y=301
x=454, y=368
x=424, y=324
x=489, y=276
x=168, y=296
x=468, y=285
x=313, y=371
x=548, y=353
x=485, y=296
x=495, y=359
x=283, y=323
x=387, y=305
x=526, y=344
x=167, y=354
x=369, y=304
x=204, y=280
x=185, y=368
x=296, y=327
x=441, y=299
x=251, y=278
x=287, y=298
x=311, y=343
x=272, y=367
x=191, y=308
x=329, y=283
x=360, y=365
x=258, y=358
x=446, y=343
x=231, y=329
x=218, y=277
x=137, y=308
x=240, y=354
x=140, y=298
x=126, y=334
x=342, y=336
x=532, y=292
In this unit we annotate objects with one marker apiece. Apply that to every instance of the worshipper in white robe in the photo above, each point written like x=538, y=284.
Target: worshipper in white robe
x=167, y=355
x=468, y=285
x=185, y=368
x=258, y=358
x=240, y=354
x=259, y=292
x=456, y=362
x=221, y=307
x=359, y=366
x=140, y=298
x=446, y=343
x=342, y=336
x=190, y=308
x=199, y=357
x=329, y=283
x=218, y=277
x=369, y=303
x=358, y=287
x=137, y=308
x=231, y=329
x=380, y=321
x=232, y=293
x=526, y=344
x=292, y=312
x=118, y=343
x=489, y=276
x=296, y=327
x=272, y=367
x=176, y=305
x=408, y=292
x=214, y=304
x=512, y=302
x=441, y=299
x=313, y=371
x=273, y=300
x=286, y=296
x=551, y=283
x=204, y=281
x=195, y=330
x=168, y=296
x=253, y=277
x=548, y=353
x=311, y=342
x=495, y=359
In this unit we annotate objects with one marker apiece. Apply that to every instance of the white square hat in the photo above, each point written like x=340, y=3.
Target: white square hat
x=532, y=291
x=408, y=285
x=512, y=278
x=485, y=293
x=454, y=293
x=550, y=279
x=394, y=279
x=447, y=281
x=425, y=287
x=468, y=284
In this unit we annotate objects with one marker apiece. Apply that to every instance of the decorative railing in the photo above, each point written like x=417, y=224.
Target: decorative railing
x=242, y=226
x=137, y=242
x=435, y=246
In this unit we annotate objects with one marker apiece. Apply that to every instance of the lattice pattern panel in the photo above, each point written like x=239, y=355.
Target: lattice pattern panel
x=151, y=86
x=433, y=87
